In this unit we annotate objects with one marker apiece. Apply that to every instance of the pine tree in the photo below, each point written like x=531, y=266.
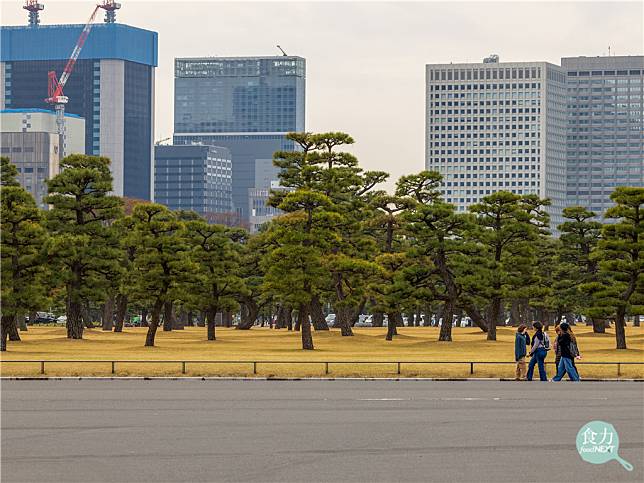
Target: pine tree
x=160, y=265
x=507, y=225
x=83, y=246
x=620, y=254
x=216, y=284
x=24, y=241
x=577, y=266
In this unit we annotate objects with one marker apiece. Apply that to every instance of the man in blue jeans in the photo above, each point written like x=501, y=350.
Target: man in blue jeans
x=538, y=351
x=564, y=342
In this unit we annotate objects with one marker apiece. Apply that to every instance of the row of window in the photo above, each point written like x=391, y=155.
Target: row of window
x=586, y=73
x=476, y=73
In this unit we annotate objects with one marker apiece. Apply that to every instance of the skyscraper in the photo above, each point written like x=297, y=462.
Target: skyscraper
x=605, y=132
x=497, y=126
x=111, y=87
x=196, y=178
x=246, y=104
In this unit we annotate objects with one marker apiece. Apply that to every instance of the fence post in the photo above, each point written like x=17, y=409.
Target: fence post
x=42, y=367
x=326, y=367
x=399, y=368
x=471, y=368
x=255, y=367
x=113, y=367
x=619, y=369
x=183, y=367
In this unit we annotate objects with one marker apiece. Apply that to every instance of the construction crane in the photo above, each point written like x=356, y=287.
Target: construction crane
x=56, y=86
x=110, y=7
x=34, y=8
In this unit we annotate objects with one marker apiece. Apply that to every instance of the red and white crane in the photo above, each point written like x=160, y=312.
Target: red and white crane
x=55, y=86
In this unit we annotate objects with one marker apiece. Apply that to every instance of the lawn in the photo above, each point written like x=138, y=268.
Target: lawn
x=263, y=344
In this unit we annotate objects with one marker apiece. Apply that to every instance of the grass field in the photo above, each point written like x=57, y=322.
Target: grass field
x=263, y=344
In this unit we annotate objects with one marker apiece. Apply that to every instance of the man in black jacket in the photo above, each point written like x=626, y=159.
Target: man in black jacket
x=564, y=343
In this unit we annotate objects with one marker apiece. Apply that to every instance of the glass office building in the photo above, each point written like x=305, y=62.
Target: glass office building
x=111, y=87
x=246, y=104
x=605, y=132
x=494, y=126
x=195, y=178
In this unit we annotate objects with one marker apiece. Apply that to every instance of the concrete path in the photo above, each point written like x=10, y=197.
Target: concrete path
x=269, y=431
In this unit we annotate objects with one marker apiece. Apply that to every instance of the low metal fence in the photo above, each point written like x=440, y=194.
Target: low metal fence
x=327, y=364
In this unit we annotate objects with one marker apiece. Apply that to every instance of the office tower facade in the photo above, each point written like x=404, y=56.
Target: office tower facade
x=246, y=104
x=605, y=132
x=30, y=139
x=494, y=126
x=111, y=87
x=196, y=178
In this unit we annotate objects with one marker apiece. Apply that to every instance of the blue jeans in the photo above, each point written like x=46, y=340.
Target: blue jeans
x=565, y=366
x=538, y=357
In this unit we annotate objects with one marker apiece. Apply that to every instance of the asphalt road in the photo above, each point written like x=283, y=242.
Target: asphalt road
x=269, y=431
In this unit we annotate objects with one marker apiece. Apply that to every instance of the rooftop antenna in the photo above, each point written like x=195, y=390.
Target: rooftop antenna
x=110, y=7
x=34, y=8
x=283, y=53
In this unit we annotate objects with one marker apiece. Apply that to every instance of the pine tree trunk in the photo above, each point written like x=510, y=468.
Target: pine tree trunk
x=317, y=315
x=289, y=318
x=167, y=317
x=12, y=329
x=515, y=314
x=307, y=336
x=22, y=323
x=378, y=319
x=4, y=332
x=620, y=328
x=154, y=323
x=343, y=316
x=227, y=318
x=177, y=320
x=296, y=327
x=249, y=313
x=144, y=318
x=9, y=330
x=211, y=316
x=108, y=314
x=201, y=321
x=121, y=310
x=599, y=326
x=476, y=317
x=636, y=321
x=391, y=326
x=495, y=315
x=74, y=316
x=86, y=316
x=445, y=334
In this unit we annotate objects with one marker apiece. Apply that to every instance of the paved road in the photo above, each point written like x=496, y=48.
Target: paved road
x=372, y=431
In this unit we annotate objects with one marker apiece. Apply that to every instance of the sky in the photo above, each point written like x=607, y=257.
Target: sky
x=366, y=60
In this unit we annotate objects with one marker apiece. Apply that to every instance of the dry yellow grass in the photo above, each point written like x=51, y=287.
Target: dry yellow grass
x=262, y=344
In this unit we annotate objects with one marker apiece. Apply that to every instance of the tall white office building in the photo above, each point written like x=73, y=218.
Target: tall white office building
x=495, y=126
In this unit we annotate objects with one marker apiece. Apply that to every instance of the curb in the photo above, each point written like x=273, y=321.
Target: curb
x=222, y=378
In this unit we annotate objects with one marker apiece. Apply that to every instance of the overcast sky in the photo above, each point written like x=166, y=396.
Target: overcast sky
x=366, y=61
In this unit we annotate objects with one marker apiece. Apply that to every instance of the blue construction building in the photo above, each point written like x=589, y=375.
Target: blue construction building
x=111, y=87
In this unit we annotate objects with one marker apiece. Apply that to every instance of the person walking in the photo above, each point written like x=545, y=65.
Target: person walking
x=520, y=351
x=566, y=364
x=555, y=346
x=538, y=352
